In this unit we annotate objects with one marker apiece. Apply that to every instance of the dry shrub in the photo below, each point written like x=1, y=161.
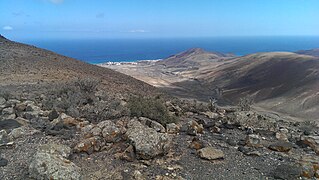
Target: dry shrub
x=152, y=108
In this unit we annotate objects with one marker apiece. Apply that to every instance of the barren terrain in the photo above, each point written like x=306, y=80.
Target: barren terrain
x=61, y=118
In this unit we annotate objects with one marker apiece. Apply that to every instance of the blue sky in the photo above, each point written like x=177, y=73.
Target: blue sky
x=157, y=18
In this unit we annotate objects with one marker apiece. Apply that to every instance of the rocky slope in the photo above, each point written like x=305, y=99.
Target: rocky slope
x=24, y=64
x=284, y=82
x=78, y=129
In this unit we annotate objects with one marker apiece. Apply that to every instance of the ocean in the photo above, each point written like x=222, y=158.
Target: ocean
x=129, y=50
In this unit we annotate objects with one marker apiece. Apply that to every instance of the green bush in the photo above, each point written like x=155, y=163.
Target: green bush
x=152, y=108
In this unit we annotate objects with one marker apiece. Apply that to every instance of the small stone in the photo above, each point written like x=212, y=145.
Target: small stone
x=138, y=175
x=90, y=145
x=4, y=138
x=3, y=162
x=32, y=107
x=53, y=115
x=172, y=128
x=253, y=140
x=128, y=154
x=152, y=124
x=253, y=153
x=282, y=136
x=20, y=107
x=96, y=131
x=211, y=115
x=210, y=153
x=311, y=141
x=8, y=111
x=193, y=128
x=196, y=144
x=281, y=146
x=109, y=131
x=215, y=129
x=231, y=142
x=2, y=101
x=17, y=132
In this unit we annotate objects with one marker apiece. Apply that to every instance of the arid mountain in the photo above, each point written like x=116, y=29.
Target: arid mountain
x=278, y=81
x=281, y=81
x=311, y=52
x=25, y=64
x=192, y=58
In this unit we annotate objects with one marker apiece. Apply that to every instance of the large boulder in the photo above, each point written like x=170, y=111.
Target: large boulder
x=147, y=142
x=50, y=162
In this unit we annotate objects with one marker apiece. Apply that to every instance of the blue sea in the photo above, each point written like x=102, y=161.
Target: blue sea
x=129, y=50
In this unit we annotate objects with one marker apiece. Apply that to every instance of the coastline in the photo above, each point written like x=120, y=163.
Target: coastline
x=118, y=63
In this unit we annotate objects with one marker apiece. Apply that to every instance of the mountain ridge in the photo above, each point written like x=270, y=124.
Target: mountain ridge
x=21, y=63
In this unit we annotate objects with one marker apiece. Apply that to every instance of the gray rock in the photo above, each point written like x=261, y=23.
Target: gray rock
x=288, y=172
x=109, y=131
x=74, y=112
x=2, y=101
x=152, y=124
x=96, y=131
x=49, y=163
x=172, y=128
x=8, y=111
x=253, y=140
x=4, y=138
x=20, y=107
x=147, y=142
x=281, y=146
x=9, y=124
x=193, y=128
x=53, y=115
x=12, y=102
x=18, y=132
x=32, y=107
x=58, y=149
x=210, y=153
x=3, y=162
x=90, y=145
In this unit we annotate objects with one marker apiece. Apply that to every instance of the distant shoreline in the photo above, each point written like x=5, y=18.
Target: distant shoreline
x=118, y=63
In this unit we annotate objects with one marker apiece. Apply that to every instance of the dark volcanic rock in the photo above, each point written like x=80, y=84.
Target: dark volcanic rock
x=285, y=171
x=9, y=124
x=3, y=162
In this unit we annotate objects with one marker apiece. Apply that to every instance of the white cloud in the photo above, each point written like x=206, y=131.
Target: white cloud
x=138, y=31
x=56, y=1
x=7, y=28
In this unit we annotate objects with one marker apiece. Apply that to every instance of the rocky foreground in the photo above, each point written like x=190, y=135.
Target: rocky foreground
x=224, y=143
